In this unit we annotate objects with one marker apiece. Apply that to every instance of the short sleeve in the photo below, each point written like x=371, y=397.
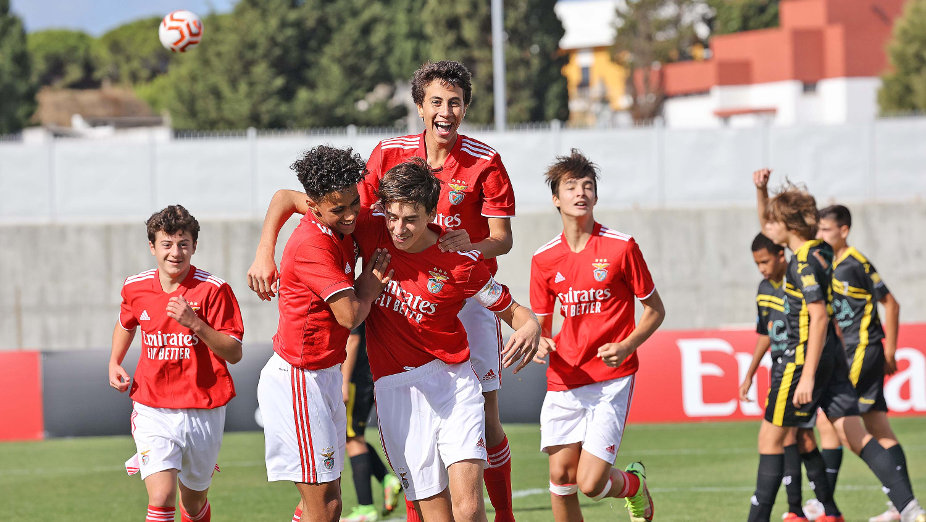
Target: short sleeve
x=497, y=192
x=878, y=288
x=127, y=318
x=370, y=182
x=224, y=315
x=370, y=228
x=543, y=300
x=809, y=275
x=761, y=320
x=636, y=273
x=321, y=270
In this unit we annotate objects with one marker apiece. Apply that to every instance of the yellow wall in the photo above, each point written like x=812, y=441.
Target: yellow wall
x=602, y=70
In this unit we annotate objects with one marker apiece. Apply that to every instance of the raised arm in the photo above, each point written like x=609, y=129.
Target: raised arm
x=263, y=274
x=760, y=179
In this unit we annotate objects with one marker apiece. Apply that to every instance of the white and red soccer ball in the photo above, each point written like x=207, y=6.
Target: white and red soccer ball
x=180, y=31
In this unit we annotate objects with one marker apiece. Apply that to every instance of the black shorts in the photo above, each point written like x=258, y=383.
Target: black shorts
x=832, y=392
x=360, y=399
x=867, y=376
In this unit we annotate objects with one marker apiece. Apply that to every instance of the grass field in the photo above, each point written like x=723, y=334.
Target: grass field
x=696, y=472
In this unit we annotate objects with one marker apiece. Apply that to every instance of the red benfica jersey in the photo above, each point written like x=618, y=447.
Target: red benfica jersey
x=316, y=264
x=475, y=184
x=414, y=320
x=596, y=289
x=176, y=369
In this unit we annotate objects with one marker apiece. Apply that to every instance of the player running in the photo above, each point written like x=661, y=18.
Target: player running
x=299, y=392
x=191, y=327
x=815, y=373
x=475, y=206
x=870, y=344
x=595, y=273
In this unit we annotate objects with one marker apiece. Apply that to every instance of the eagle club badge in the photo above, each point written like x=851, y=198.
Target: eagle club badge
x=601, y=269
x=457, y=191
x=144, y=457
x=328, y=453
x=436, y=281
x=404, y=479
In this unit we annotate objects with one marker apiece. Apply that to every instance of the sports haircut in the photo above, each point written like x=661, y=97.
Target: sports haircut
x=453, y=73
x=762, y=242
x=323, y=170
x=410, y=182
x=172, y=220
x=795, y=208
x=839, y=214
x=573, y=166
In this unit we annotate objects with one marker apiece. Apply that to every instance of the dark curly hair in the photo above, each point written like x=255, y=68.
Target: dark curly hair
x=323, y=170
x=172, y=220
x=454, y=73
x=410, y=182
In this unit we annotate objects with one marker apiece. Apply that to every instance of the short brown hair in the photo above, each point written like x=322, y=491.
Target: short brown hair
x=410, y=182
x=172, y=220
x=573, y=166
x=795, y=208
x=453, y=73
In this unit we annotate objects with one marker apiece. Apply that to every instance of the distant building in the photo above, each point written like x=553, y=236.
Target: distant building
x=822, y=65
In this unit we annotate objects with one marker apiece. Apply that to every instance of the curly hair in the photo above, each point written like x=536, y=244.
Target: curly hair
x=451, y=72
x=573, y=166
x=410, y=182
x=323, y=170
x=795, y=208
x=172, y=220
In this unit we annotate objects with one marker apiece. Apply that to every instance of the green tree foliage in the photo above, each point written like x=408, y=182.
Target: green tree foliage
x=651, y=33
x=132, y=53
x=63, y=58
x=17, y=91
x=733, y=16
x=904, y=87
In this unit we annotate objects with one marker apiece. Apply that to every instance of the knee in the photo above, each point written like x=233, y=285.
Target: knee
x=562, y=475
x=592, y=486
x=467, y=507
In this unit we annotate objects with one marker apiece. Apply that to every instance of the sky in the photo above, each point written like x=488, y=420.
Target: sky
x=98, y=16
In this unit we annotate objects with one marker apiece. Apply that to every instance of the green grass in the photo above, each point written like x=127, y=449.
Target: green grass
x=696, y=472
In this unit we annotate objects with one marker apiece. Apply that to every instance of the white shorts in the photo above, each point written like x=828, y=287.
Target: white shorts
x=305, y=423
x=484, y=333
x=429, y=418
x=186, y=439
x=593, y=414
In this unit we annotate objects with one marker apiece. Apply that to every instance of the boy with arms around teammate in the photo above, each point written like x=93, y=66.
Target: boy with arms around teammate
x=299, y=391
x=191, y=326
x=595, y=272
x=870, y=344
x=816, y=373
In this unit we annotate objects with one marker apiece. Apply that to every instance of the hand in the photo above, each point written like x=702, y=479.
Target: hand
x=263, y=277
x=345, y=391
x=614, y=354
x=454, y=241
x=118, y=378
x=890, y=364
x=804, y=391
x=522, y=346
x=744, y=390
x=374, y=277
x=179, y=310
x=544, y=348
x=761, y=177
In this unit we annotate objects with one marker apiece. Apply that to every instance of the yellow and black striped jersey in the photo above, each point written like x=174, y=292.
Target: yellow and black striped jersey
x=771, y=319
x=808, y=280
x=857, y=288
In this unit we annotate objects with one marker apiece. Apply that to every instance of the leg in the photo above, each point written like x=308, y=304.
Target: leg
x=564, y=466
x=321, y=501
x=771, y=464
x=816, y=474
x=361, y=465
x=498, y=473
x=194, y=506
x=162, y=495
x=831, y=449
x=792, y=473
x=437, y=508
x=466, y=490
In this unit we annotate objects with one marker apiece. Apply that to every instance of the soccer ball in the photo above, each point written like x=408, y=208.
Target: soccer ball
x=180, y=30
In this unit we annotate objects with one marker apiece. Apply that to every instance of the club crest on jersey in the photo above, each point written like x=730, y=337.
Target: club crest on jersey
x=457, y=191
x=328, y=453
x=347, y=268
x=403, y=478
x=601, y=269
x=436, y=281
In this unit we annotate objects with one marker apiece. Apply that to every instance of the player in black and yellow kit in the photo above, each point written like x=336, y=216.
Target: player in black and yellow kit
x=799, y=444
x=870, y=344
x=815, y=373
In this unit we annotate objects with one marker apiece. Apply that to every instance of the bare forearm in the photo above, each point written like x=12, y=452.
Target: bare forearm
x=762, y=205
x=122, y=340
x=493, y=247
x=223, y=345
x=284, y=204
x=891, y=323
x=762, y=345
x=816, y=336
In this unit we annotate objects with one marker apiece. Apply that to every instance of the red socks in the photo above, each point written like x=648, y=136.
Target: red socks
x=498, y=481
x=204, y=515
x=297, y=516
x=631, y=483
x=411, y=515
x=160, y=514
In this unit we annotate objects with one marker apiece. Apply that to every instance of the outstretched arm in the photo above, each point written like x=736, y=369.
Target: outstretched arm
x=263, y=275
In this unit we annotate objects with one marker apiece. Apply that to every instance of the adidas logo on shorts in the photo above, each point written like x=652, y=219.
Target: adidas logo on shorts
x=489, y=375
x=611, y=449
x=481, y=443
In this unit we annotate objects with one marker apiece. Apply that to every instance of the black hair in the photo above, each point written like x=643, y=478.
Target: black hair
x=171, y=220
x=323, y=170
x=837, y=213
x=410, y=182
x=454, y=73
x=761, y=241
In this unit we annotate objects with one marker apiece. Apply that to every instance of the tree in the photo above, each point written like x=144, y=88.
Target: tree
x=734, y=16
x=17, y=91
x=651, y=33
x=904, y=87
x=63, y=58
x=132, y=54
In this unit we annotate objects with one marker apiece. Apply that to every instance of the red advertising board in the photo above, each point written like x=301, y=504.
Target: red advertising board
x=695, y=375
x=21, y=396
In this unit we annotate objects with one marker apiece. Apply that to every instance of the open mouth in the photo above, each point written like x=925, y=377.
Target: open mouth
x=443, y=127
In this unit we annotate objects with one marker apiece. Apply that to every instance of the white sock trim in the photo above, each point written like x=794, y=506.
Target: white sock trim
x=564, y=490
x=604, y=492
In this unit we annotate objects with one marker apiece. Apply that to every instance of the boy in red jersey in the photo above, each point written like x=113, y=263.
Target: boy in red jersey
x=595, y=273
x=428, y=398
x=299, y=391
x=191, y=326
x=475, y=206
